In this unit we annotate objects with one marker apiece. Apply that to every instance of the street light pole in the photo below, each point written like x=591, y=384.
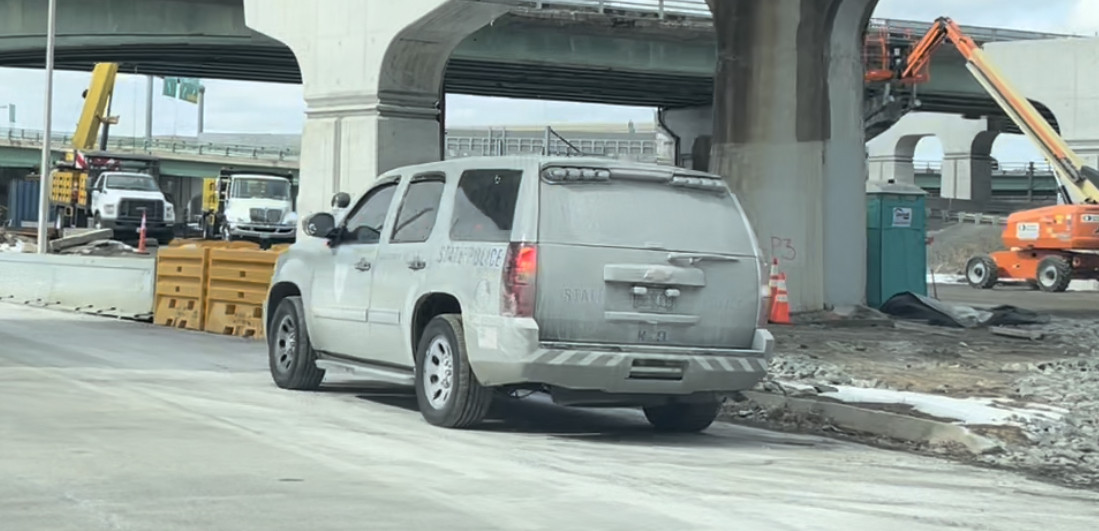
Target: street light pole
x=44, y=168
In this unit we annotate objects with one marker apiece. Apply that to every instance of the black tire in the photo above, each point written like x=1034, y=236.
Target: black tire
x=295, y=367
x=683, y=417
x=982, y=272
x=468, y=401
x=1054, y=274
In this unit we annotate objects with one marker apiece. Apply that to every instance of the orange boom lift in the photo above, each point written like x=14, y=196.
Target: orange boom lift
x=1047, y=246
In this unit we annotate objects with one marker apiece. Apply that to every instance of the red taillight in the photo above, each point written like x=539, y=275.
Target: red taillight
x=520, y=272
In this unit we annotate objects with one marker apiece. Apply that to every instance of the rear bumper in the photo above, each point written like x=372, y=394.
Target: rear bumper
x=643, y=370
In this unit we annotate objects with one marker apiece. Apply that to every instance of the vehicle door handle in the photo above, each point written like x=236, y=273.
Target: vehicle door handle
x=362, y=265
x=416, y=265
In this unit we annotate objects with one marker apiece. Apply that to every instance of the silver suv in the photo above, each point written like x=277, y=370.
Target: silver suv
x=603, y=283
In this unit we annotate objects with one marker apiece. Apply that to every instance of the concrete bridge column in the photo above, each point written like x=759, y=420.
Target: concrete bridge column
x=789, y=137
x=694, y=127
x=892, y=168
x=967, y=167
x=372, y=74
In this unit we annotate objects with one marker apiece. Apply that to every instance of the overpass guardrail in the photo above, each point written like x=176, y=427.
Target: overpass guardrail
x=156, y=146
x=698, y=9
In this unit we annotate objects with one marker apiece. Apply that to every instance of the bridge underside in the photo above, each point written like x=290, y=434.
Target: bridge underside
x=463, y=76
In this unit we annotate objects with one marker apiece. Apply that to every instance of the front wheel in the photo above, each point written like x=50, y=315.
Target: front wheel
x=683, y=417
x=291, y=357
x=447, y=391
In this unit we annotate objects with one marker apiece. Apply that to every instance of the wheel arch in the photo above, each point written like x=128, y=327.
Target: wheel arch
x=426, y=308
x=275, y=295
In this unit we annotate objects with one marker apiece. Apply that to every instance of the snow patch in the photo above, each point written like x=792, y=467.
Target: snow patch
x=963, y=411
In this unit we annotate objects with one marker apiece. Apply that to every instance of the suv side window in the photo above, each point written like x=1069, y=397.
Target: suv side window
x=366, y=221
x=484, y=205
x=419, y=210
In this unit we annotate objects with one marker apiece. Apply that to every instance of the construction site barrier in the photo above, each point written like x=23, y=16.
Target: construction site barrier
x=236, y=288
x=114, y=286
x=181, y=287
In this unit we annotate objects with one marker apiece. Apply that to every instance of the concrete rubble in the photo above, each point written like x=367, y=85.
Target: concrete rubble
x=16, y=243
x=1058, y=372
x=85, y=242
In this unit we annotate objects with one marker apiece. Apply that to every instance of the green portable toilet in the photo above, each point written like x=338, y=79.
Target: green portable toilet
x=896, y=235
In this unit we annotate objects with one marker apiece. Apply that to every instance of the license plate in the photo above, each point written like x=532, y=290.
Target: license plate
x=654, y=301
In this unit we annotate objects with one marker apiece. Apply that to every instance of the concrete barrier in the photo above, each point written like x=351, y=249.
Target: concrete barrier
x=116, y=286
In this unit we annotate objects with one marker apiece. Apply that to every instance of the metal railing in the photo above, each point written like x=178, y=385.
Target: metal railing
x=698, y=9
x=998, y=168
x=157, y=145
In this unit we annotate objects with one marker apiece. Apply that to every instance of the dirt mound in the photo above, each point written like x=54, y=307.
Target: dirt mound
x=956, y=244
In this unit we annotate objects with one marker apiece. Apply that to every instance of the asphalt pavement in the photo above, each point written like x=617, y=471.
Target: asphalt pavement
x=1079, y=304
x=114, y=425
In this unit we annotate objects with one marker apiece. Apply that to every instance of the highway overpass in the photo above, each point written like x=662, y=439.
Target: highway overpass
x=558, y=51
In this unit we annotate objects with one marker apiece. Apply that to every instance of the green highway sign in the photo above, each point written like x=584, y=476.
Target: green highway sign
x=171, y=86
x=184, y=88
x=189, y=89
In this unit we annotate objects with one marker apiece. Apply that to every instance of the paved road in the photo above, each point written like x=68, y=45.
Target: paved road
x=111, y=425
x=1068, y=304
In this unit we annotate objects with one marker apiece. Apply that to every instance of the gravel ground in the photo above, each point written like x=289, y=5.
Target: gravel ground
x=1061, y=370
x=1067, y=448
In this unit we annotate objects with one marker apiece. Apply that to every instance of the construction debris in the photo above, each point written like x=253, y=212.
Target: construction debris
x=80, y=239
x=102, y=248
x=14, y=242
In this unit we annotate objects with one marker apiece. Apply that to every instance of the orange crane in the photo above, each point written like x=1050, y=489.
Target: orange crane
x=1048, y=246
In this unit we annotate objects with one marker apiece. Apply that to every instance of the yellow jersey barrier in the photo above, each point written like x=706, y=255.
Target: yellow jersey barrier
x=236, y=288
x=214, y=286
x=180, y=287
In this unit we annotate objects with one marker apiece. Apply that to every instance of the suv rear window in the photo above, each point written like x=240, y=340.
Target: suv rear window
x=637, y=214
x=484, y=205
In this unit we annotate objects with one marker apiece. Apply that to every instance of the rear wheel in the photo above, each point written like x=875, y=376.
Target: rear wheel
x=683, y=417
x=981, y=272
x=1054, y=274
x=447, y=391
x=292, y=360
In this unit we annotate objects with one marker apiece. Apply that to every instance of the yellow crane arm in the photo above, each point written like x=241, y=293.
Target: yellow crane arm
x=96, y=99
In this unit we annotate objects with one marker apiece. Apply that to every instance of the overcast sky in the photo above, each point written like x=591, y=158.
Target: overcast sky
x=234, y=106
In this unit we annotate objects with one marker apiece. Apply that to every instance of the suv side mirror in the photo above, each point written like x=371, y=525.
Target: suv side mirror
x=341, y=200
x=319, y=225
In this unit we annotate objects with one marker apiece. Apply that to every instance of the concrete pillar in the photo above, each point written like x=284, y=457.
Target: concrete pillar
x=789, y=137
x=372, y=74
x=967, y=167
x=967, y=176
x=693, y=126
x=891, y=157
x=892, y=168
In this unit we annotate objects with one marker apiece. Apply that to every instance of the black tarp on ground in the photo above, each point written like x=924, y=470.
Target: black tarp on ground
x=916, y=307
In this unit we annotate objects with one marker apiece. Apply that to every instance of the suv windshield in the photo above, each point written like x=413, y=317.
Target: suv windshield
x=144, y=183
x=244, y=188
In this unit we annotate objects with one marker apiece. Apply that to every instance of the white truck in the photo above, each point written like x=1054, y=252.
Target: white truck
x=250, y=205
x=112, y=191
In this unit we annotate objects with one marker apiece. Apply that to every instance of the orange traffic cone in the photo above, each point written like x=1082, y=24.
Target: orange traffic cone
x=780, y=305
x=141, y=235
x=773, y=283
